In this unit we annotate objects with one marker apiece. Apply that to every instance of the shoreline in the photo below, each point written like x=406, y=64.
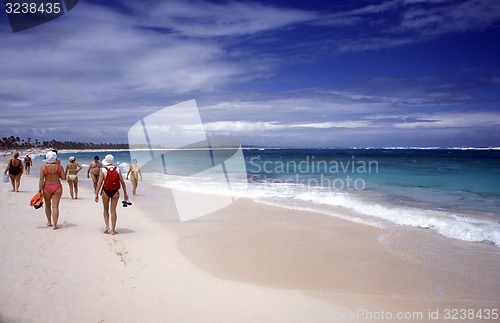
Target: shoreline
x=6, y=152
x=246, y=262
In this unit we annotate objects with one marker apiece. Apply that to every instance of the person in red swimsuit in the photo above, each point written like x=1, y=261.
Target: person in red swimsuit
x=109, y=197
x=50, y=175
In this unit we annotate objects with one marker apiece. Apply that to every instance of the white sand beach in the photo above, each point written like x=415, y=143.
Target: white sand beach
x=249, y=262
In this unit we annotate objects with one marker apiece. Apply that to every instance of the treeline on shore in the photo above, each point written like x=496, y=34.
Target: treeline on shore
x=16, y=143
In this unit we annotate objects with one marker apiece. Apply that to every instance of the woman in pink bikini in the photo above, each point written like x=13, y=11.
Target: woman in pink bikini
x=50, y=175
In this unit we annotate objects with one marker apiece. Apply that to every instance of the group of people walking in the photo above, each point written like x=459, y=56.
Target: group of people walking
x=107, y=181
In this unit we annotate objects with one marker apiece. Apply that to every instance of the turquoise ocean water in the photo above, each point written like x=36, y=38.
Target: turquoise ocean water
x=455, y=192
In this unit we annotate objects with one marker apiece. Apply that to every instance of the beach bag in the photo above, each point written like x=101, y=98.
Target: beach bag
x=5, y=178
x=37, y=201
x=112, y=181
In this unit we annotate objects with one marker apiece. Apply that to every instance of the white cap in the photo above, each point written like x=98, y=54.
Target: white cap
x=108, y=160
x=51, y=157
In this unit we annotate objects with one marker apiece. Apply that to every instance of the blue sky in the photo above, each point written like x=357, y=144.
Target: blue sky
x=280, y=73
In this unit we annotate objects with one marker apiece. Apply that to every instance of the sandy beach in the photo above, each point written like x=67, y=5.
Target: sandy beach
x=248, y=262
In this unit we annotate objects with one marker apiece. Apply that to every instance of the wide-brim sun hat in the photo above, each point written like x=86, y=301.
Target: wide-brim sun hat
x=51, y=157
x=108, y=160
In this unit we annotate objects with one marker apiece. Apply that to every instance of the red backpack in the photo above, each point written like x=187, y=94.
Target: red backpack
x=112, y=181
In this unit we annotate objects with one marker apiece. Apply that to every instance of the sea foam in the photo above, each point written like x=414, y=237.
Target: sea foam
x=360, y=210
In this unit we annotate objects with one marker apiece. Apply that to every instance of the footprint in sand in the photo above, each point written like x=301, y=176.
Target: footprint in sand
x=120, y=250
x=53, y=285
x=27, y=307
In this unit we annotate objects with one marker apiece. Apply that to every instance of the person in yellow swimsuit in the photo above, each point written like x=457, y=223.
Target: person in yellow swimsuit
x=134, y=171
x=72, y=170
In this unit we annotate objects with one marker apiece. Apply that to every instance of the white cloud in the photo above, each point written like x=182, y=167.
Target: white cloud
x=452, y=17
x=408, y=22
x=406, y=121
x=206, y=19
x=451, y=120
x=242, y=126
x=375, y=8
x=417, y=129
x=373, y=43
x=95, y=55
x=352, y=124
x=258, y=126
x=309, y=107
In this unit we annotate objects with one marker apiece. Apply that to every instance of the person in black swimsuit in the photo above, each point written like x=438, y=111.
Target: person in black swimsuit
x=15, y=169
x=109, y=197
x=27, y=164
